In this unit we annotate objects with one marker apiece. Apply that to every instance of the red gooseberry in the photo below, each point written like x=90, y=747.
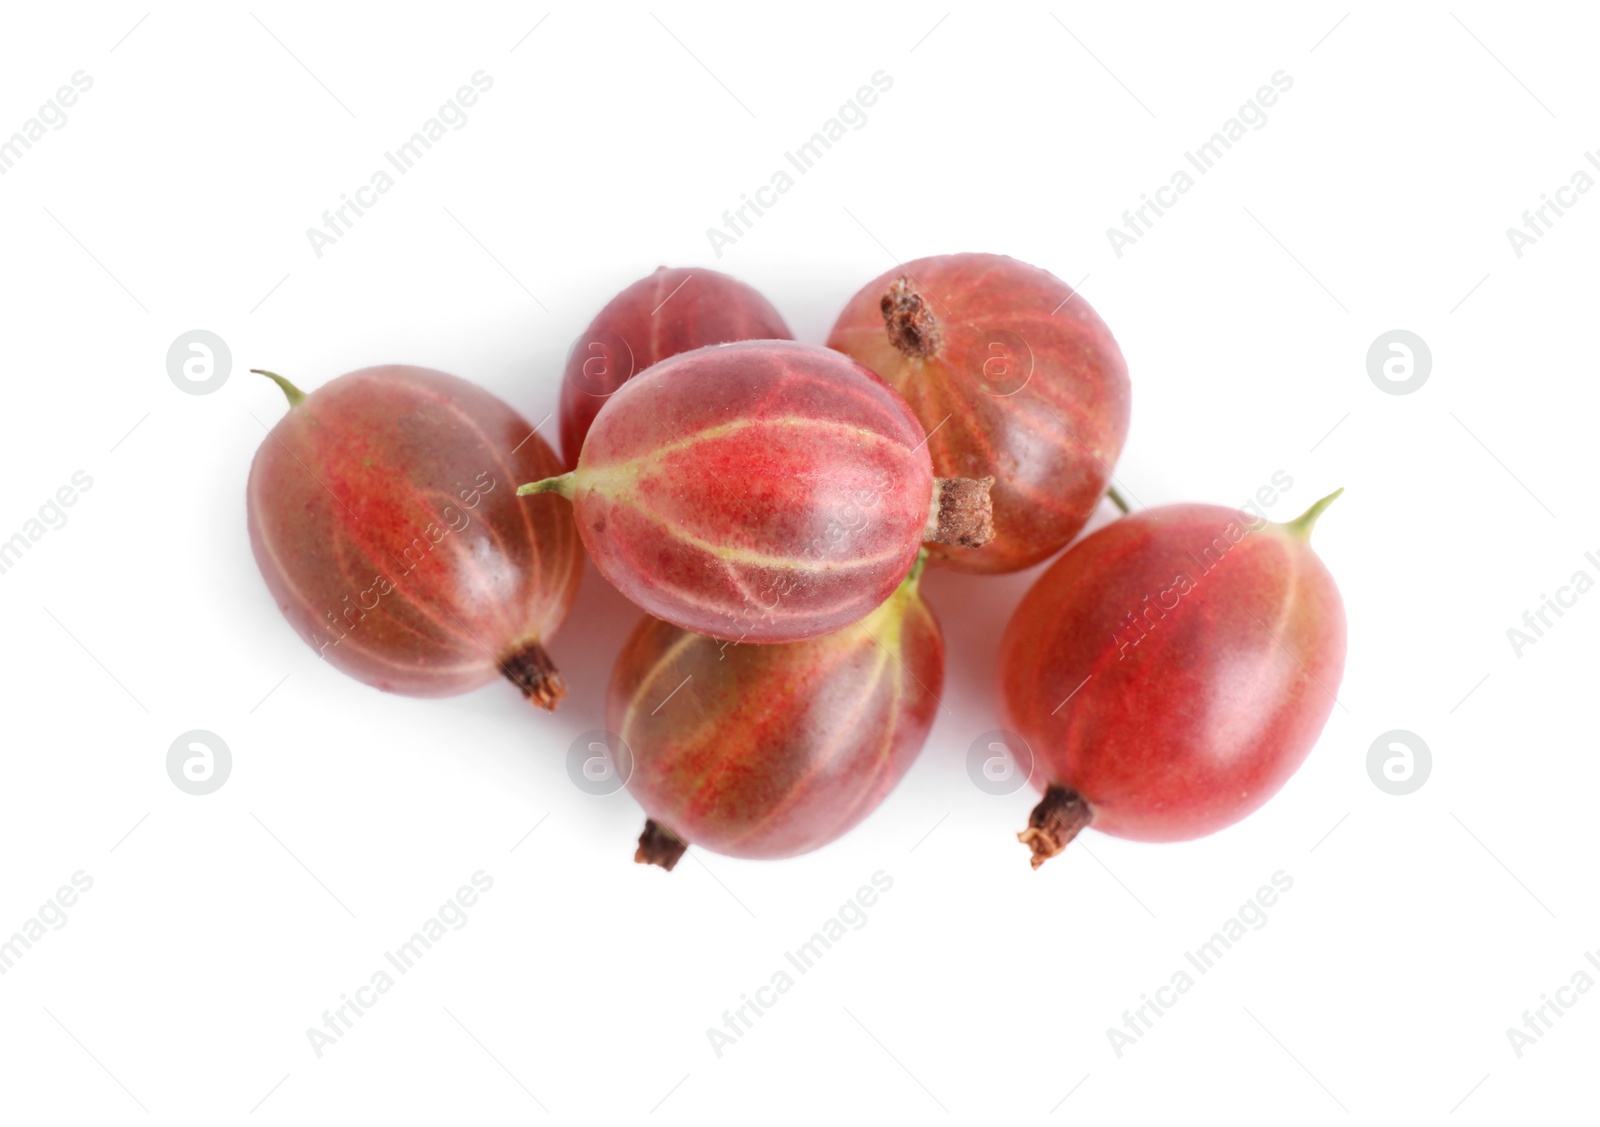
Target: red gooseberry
x=1171, y=671
x=1013, y=375
x=384, y=518
x=772, y=751
x=761, y=491
x=668, y=312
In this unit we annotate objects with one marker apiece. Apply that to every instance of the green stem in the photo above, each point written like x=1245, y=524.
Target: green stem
x=909, y=583
x=1116, y=499
x=884, y=623
x=1301, y=525
x=561, y=484
x=293, y=394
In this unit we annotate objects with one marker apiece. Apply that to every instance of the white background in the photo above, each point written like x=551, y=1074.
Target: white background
x=220, y=928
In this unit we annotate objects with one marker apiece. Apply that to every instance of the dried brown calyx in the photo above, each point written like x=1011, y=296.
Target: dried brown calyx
x=909, y=319
x=659, y=846
x=1060, y=816
x=961, y=512
x=530, y=669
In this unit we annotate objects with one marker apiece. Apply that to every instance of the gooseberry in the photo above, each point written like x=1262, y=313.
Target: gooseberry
x=1171, y=671
x=384, y=518
x=668, y=312
x=1013, y=375
x=761, y=491
x=773, y=751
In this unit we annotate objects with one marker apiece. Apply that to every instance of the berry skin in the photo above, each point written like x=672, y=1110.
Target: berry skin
x=668, y=312
x=1171, y=671
x=761, y=491
x=773, y=751
x=1013, y=376
x=384, y=517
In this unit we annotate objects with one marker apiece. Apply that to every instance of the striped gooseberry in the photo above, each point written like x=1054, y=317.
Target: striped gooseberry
x=773, y=751
x=661, y=315
x=1171, y=671
x=1014, y=376
x=384, y=518
x=762, y=491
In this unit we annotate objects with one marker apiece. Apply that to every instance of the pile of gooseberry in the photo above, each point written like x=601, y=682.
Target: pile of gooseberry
x=772, y=505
